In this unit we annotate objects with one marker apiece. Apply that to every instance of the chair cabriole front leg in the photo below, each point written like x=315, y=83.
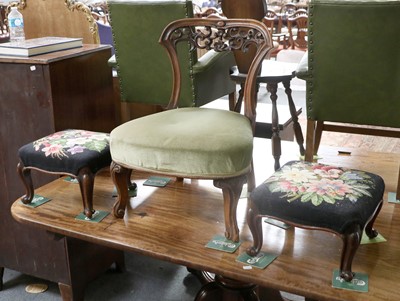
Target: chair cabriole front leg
x=121, y=177
x=231, y=189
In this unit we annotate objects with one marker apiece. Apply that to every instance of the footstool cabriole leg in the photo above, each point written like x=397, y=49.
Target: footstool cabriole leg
x=351, y=241
x=85, y=179
x=254, y=220
x=121, y=177
x=369, y=228
x=25, y=175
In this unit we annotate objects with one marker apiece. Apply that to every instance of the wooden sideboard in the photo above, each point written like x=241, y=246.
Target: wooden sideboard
x=40, y=95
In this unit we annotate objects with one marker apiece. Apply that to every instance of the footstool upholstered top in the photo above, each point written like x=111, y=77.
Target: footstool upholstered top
x=68, y=151
x=318, y=195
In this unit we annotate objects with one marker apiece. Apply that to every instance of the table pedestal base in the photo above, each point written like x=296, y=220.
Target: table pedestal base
x=227, y=289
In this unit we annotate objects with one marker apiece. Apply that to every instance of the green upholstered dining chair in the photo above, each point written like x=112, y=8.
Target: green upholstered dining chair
x=352, y=76
x=195, y=142
x=143, y=67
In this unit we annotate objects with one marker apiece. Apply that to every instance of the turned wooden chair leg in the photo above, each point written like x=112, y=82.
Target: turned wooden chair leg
x=251, y=179
x=231, y=189
x=293, y=113
x=275, y=139
x=121, y=178
x=310, y=140
x=86, y=182
x=351, y=242
x=318, y=135
x=232, y=101
x=25, y=175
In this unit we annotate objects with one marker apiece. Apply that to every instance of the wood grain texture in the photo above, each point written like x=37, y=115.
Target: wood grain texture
x=174, y=224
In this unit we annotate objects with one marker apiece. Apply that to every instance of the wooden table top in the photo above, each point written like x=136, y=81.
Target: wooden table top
x=175, y=223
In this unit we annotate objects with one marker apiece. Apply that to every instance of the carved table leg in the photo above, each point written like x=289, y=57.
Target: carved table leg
x=275, y=139
x=296, y=125
x=1, y=278
x=227, y=289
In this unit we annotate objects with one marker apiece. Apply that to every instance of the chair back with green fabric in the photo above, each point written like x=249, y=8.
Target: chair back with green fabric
x=353, y=68
x=143, y=67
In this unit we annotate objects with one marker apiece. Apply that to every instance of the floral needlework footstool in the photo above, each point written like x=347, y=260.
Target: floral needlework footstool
x=319, y=197
x=76, y=153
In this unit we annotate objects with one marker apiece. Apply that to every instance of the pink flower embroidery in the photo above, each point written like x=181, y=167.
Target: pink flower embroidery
x=55, y=150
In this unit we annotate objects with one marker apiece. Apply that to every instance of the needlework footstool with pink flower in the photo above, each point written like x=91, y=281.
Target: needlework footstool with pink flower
x=319, y=197
x=76, y=153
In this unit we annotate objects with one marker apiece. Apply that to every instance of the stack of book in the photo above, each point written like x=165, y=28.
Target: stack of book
x=37, y=46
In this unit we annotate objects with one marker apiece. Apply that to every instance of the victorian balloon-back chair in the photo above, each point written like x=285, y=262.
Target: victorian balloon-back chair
x=193, y=142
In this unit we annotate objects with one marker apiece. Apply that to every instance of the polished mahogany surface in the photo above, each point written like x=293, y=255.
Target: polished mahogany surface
x=175, y=223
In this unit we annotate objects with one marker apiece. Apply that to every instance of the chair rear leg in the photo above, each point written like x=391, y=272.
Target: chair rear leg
x=310, y=140
x=251, y=179
x=231, y=189
x=25, y=175
x=232, y=101
x=86, y=182
x=318, y=134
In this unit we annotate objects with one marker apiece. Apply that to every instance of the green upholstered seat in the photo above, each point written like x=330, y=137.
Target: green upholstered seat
x=186, y=142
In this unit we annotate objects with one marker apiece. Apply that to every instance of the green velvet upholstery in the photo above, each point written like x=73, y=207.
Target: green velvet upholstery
x=143, y=63
x=353, y=62
x=186, y=142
